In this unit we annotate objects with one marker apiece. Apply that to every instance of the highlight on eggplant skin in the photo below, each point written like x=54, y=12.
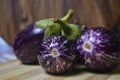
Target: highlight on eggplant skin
x=56, y=55
x=99, y=49
x=27, y=44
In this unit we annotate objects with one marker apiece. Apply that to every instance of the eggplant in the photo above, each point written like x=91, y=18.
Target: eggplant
x=99, y=49
x=27, y=44
x=57, y=55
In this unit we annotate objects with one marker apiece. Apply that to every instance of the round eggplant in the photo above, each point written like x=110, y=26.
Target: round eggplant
x=57, y=55
x=27, y=44
x=99, y=49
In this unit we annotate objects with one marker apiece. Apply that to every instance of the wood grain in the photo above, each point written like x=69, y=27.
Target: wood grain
x=14, y=70
x=103, y=13
x=17, y=14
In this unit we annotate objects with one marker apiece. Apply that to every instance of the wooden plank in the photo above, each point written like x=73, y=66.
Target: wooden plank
x=115, y=77
x=13, y=62
x=17, y=72
x=14, y=70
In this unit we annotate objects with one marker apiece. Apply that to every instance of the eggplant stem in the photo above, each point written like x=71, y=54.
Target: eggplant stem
x=64, y=26
x=67, y=17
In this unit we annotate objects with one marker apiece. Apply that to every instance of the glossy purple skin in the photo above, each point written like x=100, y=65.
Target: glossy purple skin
x=103, y=53
x=60, y=63
x=27, y=44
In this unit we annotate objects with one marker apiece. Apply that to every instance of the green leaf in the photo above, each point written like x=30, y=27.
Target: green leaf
x=49, y=26
x=69, y=30
x=73, y=32
x=43, y=24
x=52, y=30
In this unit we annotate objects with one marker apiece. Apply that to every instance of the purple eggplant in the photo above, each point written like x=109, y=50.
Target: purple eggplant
x=57, y=55
x=27, y=44
x=99, y=49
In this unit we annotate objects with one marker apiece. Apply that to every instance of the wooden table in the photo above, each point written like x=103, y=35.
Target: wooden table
x=14, y=70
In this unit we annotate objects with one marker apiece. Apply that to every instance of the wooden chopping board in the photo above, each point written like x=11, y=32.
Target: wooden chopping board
x=14, y=70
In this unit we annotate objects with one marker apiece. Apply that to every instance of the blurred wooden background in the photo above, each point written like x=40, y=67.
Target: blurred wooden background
x=17, y=14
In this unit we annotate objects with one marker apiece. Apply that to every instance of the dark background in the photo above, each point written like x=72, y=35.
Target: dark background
x=17, y=14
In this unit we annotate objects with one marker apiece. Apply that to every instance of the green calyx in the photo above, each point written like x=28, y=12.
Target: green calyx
x=69, y=30
x=60, y=27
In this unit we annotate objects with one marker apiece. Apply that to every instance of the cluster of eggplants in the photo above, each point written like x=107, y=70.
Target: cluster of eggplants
x=58, y=45
x=27, y=44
